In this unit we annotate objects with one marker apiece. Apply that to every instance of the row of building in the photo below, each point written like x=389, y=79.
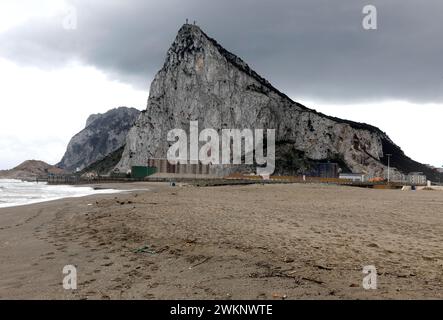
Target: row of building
x=332, y=170
x=162, y=167
x=416, y=178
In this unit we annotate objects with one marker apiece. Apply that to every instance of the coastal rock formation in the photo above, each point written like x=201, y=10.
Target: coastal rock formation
x=30, y=169
x=200, y=80
x=105, y=165
x=103, y=134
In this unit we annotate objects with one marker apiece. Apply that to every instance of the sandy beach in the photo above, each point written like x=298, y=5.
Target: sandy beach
x=233, y=242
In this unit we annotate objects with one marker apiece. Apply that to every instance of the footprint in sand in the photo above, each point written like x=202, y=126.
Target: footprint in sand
x=107, y=264
x=148, y=296
x=88, y=281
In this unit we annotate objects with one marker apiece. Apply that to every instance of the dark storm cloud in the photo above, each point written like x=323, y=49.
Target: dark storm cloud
x=307, y=48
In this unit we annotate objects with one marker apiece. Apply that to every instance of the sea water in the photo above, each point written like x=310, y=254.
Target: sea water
x=17, y=192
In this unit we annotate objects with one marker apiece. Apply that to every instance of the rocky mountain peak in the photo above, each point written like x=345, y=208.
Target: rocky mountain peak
x=91, y=119
x=193, y=44
x=189, y=41
x=200, y=80
x=103, y=134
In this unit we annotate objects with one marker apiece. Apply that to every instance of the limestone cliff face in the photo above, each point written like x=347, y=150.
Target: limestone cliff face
x=202, y=81
x=103, y=134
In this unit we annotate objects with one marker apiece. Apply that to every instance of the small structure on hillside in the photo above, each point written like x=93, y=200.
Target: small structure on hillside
x=90, y=175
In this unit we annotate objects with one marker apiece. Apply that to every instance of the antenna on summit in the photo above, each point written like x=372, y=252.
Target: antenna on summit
x=187, y=21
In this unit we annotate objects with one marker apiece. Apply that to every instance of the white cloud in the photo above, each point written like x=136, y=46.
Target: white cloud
x=41, y=110
x=16, y=12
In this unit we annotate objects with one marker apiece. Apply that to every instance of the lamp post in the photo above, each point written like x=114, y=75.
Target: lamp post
x=389, y=167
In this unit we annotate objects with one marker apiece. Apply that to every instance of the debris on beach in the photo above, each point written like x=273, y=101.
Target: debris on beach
x=191, y=240
x=201, y=262
x=145, y=249
x=279, y=296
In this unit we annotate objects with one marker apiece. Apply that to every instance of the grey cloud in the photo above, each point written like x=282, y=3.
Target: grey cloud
x=307, y=48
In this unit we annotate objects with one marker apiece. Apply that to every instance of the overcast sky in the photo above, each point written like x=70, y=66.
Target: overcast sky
x=316, y=51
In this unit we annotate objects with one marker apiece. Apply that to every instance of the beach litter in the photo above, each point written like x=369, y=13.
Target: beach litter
x=279, y=296
x=200, y=263
x=145, y=249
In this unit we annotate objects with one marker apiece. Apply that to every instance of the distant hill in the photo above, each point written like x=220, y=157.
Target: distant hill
x=103, y=134
x=30, y=169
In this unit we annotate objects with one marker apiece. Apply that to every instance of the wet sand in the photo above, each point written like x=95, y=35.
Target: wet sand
x=232, y=242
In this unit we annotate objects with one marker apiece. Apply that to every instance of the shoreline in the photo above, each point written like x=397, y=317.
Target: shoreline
x=94, y=190
x=226, y=242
